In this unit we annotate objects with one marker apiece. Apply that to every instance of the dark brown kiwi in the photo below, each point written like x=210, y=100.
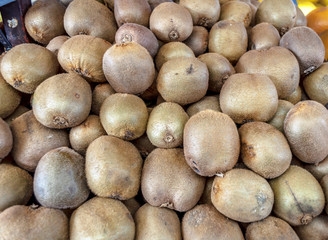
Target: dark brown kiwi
x=315, y=230
x=99, y=94
x=20, y=110
x=237, y=11
x=6, y=139
x=295, y=96
x=109, y=4
x=318, y=170
x=132, y=205
x=279, y=117
x=55, y=44
x=151, y=93
x=155, y=3
x=324, y=185
x=206, y=197
x=300, y=18
x=144, y=145
x=198, y=40
x=208, y=102
x=263, y=36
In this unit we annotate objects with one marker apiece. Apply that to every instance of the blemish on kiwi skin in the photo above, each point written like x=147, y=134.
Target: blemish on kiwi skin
x=203, y=21
x=196, y=169
x=309, y=70
x=82, y=33
x=60, y=121
x=167, y=205
x=126, y=38
x=190, y=69
x=18, y=82
x=128, y=134
x=77, y=95
x=169, y=138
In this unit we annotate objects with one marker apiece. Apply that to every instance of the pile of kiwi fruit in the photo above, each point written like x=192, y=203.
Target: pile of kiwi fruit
x=164, y=120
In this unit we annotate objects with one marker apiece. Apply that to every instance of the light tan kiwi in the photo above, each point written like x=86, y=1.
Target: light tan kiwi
x=308, y=139
x=205, y=222
x=318, y=170
x=295, y=96
x=206, y=197
x=33, y=223
x=279, y=117
x=315, y=230
x=157, y=223
x=132, y=205
x=55, y=44
x=198, y=40
x=242, y=195
x=298, y=196
x=102, y=218
x=99, y=94
x=20, y=110
x=219, y=69
x=324, y=185
x=9, y=98
x=204, y=157
x=167, y=180
x=208, y=102
x=6, y=139
x=124, y=116
x=144, y=145
x=59, y=179
x=278, y=63
x=237, y=11
x=70, y=97
x=25, y=66
x=300, y=18
x=171, y=22
x=263, y=36
x=155, y=3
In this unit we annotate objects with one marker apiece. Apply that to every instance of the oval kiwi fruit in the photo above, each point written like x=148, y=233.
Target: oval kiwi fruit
x=318, y=170
x=263, y=36
x=9, y=98
x=315, y=230
x=300, y=18
x=324, y=185
x=237, y=11
x=6, y=139
x=279, y=117
x=198, y=40
x=208, y=102
x=55, y=44
x=144, y=145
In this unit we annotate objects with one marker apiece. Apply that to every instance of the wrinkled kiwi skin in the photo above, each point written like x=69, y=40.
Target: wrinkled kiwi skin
x=279, y=117
x=264, y=36
x=6, y=139
x=55, y=43
x=198, y=40
x=315, y=230
x=208, y=102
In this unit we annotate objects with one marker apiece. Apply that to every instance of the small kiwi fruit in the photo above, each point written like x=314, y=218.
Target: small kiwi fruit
x=295, y=96
x=318, y=170
x=324, y=185
x=6, y=139
x=99, y=94
x=237, y=11
x=55, y=44
x=279, y=117
x=151, y=93
x=198, y=40
x=20, y=110
x=300, y=18
x=315, y=230
x=206, y=197
x=208, y=102
x=132, y=205
x=9, y=98
x=263, y=36
x=144, y=145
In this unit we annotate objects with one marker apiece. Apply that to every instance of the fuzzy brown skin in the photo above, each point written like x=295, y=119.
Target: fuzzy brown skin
x=219, y=68
x=6, y=139
x=20, y=110
x=309, y=58
x=315, y=230
x=237, y=11
x=55, y=44
x=212, y=149
x=279, y=117
x=113, y=168
x=198, y=40
x=270, y=228
x=132, y=205
x=298, y=196
x=16, y=186
x=62, y=101
x=102, y=218
x=171, y=22
x=32, y=140
x=324, y=185
x=27, y=65
x=205, y=222
x=87, y=17
x=129, y=68
x=144, y=145
x=264, y=36
x=155, y=3
x=167, y=180
x=59, y=179
x=208, y=102
x=124, y=116
x=99, y=94
x=33, y=223
x=204, y=13
x=296, y=96
x=157, y=223
x=318, y=170
x=151, y=93
x=132, y=32
x=165, y=125
x=300, y=18
x=183, y=80
x=206, y=197
x=44, y=20
x=307, y=139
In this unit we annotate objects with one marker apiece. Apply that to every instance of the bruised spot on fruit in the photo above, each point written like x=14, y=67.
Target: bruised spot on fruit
x=261, y=198
x=60, y=121
x=174, y=35
x=190, y=69
x=248, y=150
x=77, y=95
x=18, y=82
x=128, y=134
x=215, y=189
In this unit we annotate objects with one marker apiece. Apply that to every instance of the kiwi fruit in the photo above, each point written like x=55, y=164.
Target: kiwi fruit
x=295, y=96
x=242, y=195
x=9, y=98
x=204, y=13
x=102, y=218
x=279, y=117
x=132, y=32
x=89, y=17
x=300, y=18
x=129, y=68
x=155, y=3
x=198, y=40
x=6, y=139
x=309, y=58
x=270, y=228
x=167, y=180
x=157, y=223
x=20, y=110
x=124, y=116
x=237, y=11
x=165, y=125
x=183, y=80
x=33, y=223
x=151, y=93
x=44, y=20
x=99, y=94
x=228, y=38
x=298, y=196
x=81, y=136
x=136, y=11
x=324, y=185
x=26, y=65
x=206, y=197
x=132, y=205
x=208, y=102
x=315, y=230
x=144, y=145
x=55, y=44
x=109, y=4
x=263, y=36
x=171, y=22
x=276, y=62
x=219, y=68
x=318, y=170
x=307, y=139
x=62, y=101
x=279, y=13
x=204, y=157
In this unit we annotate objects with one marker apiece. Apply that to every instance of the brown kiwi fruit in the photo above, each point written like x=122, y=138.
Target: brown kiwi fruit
x=308, y=139
x=208, y=102
x=237, y=11
x=298, y=196
x=219, y=69
x=263, y=36
x=89, y=17
x=300, y=18
x=167, y=180
x=183, y=80
x=280, y=13
x=171, y=22
x=204, y=13
x=155, y=3
x=136, y=11
x=102, y=218
x=151, y=93
x=206, y=197
x=165, y=125
x=278, y=63
x=44, y=20
x=129, y=68
x=99, y=94
x=70, y=97
x=81, y=136
x=157, y=223
x=318, y=170
x=228, y=38
x=279, y=117
x=295, y=96
x=132, y=205
x=16, y=186
x=32, y=140
x=221, y=130
x=6, y=139
x=25, y=66
x=59, y=179
x=270, y=228
x=33, y=223
x=144, y=145
x=55, y=44
x=109, y=4
x=124, y=116
x=264, y=149
x=309, y=58
x=242, y=195
x=315, y=230
x=20, y=110
x=198, y=40
x=324, y=185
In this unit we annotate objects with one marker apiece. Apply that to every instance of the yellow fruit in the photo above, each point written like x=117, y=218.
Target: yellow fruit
x=306, y=6
x=324, y=2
